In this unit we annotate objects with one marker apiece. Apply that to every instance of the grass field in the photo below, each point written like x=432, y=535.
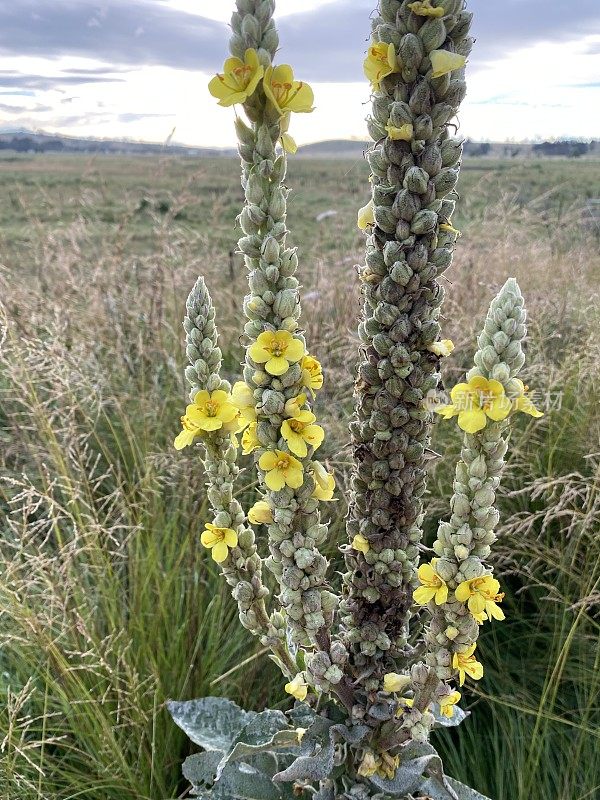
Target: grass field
x=107, y=604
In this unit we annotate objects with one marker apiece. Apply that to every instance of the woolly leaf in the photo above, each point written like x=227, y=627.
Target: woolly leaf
x=212, y=722
x=239, y=781
x=415, y=760
x=441, y=721
x=435, y=791
x=266, y=731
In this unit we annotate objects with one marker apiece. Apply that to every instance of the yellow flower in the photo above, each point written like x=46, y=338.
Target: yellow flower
x=467, y=664
x=287, y=142
x=368, y=765
x=361, y=544
x=523, y=402
x=249, y=439
x=242, y=398
x=380, y=62
x=234, y=427
x=481, y=596
x=402, y=134
x=301, y=431
x=208, y=412
x=261, y=513
x=443, y=62
x=188, y=434
x=297, y=687
x=448, y=228
x=281, y=470
x=218, y=541
x=392, y=682
x=238, y=80
x=300, y=734
x=366, y=216
x=423, y=8
x=324, y=482
x=285, y=93
x=432, y=586
x=276, y=350
x=312, y=374
x=474, y=402
x=294, y=405
x=442, y=348
x=447, y=704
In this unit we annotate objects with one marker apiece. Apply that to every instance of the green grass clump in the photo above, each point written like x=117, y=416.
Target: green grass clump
x=109, y=606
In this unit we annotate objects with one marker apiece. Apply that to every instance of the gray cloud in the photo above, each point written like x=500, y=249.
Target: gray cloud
x=325, y=44
x=47, y=82
x=38, y=108
x=131, y=117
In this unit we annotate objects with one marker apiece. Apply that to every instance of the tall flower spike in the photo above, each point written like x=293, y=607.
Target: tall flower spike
x=464, y=543
x=236, y=553
x=414, y=169
x=278, y=369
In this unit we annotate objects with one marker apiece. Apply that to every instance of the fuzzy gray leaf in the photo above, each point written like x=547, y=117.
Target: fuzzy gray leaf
x=415, y=760
x=309, y=768
x=433, y=790
x=266, y=731
x=238, y=781
x=212, y=722
x=441, y=721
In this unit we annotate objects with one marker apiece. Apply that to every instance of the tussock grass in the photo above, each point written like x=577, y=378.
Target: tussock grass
x=108, y=605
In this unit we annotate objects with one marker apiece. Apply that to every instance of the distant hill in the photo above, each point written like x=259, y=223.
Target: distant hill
x=25, y=141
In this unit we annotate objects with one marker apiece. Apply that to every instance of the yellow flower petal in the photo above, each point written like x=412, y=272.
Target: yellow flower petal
x=423, y=8
x=361, y=544
x=220, y=552
x=366, y=216
x=443, y=62
x=260, y=513
x=423, y=595
x=472, y=421
x=402, y=134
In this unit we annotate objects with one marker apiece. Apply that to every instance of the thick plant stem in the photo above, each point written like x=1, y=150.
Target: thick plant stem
x=414, y=165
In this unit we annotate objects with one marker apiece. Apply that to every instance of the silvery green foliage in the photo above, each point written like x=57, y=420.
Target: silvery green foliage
x=413, y=194
x=250, y=755
x=464, y=542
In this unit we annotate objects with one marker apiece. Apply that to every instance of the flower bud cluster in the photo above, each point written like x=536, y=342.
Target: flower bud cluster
x=414, y=164
x=464, y=542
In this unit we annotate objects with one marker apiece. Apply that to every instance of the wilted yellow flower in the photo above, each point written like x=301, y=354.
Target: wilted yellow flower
x=443, y=62
x=523, y=402
x=218, y=541
x=324, y=482
x=300, y=431
x=442, y=348
x=297, y=687
x=432, y=586
x=261, y=513
x=242, y=398
x=276, y=350
x=312, y=374
x=447, y=704
x=287, y=142
x=285, y=93
x=366, y=216
x=208, y=412
x=467, y=664
x=393, y=682
x=380, y=62
x=474, y=402
x=368, y=765
x=481, y=596
x=249, y=439
x=402, y=134
x=446, y=227
x=239, y=79
x=423, y=8
x=361, y=544
x=281, y=469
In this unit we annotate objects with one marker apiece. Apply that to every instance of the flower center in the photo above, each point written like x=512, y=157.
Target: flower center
x=296, y=425
x=281, y=92
x=242, y=76
x=278, y=349
x=283, y=463
x=211, y=408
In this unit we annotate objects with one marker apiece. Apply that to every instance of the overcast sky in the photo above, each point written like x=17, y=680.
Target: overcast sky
x=140, y=68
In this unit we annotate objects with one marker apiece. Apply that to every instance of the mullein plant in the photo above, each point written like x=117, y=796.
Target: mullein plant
x=374, y=666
